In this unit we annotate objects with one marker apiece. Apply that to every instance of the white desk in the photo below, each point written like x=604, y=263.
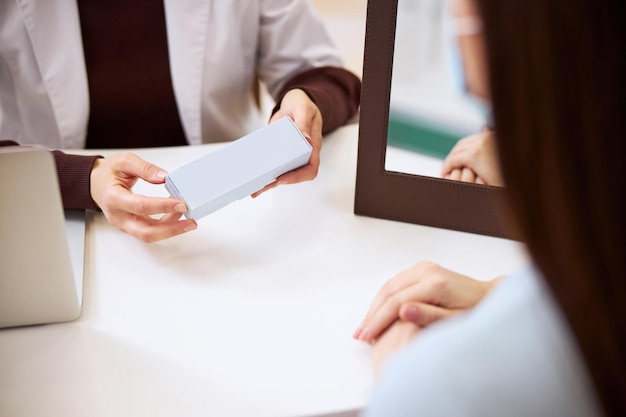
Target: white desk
x=250, y=315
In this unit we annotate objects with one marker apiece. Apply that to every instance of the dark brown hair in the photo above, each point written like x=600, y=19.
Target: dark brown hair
x=557, y=71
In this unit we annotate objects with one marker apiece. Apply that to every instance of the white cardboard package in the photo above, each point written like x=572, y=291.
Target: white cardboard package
x=239, y=169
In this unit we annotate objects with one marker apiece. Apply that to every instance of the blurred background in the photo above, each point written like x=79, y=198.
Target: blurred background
x=345, y=20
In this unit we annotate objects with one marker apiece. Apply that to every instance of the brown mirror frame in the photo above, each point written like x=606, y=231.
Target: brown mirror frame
x=399, y=196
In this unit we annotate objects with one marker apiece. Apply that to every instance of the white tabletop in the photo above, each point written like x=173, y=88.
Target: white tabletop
x=250, y=315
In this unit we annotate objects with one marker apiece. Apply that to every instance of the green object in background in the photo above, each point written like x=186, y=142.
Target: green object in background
x=418, y=135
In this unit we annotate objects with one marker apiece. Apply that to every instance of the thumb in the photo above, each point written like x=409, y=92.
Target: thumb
x=423, y=314
x=132, y=165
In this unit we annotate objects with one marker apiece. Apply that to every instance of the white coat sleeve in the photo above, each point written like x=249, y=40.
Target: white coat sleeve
x=292, y=39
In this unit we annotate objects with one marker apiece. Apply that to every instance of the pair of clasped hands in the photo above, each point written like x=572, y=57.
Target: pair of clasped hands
x=413, y=300
x=112, y=180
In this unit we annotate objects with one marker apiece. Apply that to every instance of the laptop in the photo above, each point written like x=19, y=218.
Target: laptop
x=41, y=245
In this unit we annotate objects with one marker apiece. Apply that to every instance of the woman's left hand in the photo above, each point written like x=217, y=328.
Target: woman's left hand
x=297, y=105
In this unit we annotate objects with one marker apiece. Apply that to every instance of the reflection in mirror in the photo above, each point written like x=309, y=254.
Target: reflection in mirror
x=427, y=114
x=425, y=101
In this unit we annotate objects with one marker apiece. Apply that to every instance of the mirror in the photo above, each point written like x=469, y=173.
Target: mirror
x=407, y=194
x=426, y=115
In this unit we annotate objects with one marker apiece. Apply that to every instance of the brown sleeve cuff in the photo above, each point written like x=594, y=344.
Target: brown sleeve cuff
x=335, y=91
x=74, y=173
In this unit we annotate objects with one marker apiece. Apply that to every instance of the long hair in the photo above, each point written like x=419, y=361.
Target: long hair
x=557, y=72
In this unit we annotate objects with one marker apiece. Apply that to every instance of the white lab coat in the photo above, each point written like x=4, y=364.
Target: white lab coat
x=214, y=47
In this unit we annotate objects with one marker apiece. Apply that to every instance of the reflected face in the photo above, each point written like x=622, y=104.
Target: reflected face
x=471, y=45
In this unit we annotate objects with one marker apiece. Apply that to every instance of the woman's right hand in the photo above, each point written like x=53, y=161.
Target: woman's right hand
x=111, y=182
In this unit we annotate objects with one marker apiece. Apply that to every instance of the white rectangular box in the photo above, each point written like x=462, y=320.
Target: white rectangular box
x=239, y=169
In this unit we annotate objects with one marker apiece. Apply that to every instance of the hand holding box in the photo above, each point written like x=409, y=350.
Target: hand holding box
x=239, y=169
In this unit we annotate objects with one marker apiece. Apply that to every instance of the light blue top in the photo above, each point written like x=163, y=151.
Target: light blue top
x=512, y=356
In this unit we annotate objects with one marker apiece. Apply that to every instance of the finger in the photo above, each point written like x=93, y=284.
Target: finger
x=455, y=174
x=131, y=165
x=149, y=230
x=377, y=323
x=425, y=282
x=306, y=173
x=460, y=152
x=423, y=314
x=479, y=180
x=446, y=166
x=292, y=177
x=166, y=218
x=315, y=140
x=468, y=175
x=401, y=281
x=304, y=121
x=142, y=205
x=389, y=311
x=385, y=314
x=453, y=162
x=461, y=155
x=391, y=287
x=449, y=163
x=264, y=189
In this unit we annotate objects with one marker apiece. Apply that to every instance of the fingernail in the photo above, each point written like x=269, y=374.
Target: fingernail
x=411, y=314
x=191, y=226
x=356, y=334
x=161, y=175
x=364, y=333
x=180, y=208
x=283, y=182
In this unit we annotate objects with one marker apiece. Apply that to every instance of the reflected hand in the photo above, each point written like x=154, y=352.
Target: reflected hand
x=111, y=182
x=297, y=105
x=397, y=335
x=474, y=159
x=422, y=294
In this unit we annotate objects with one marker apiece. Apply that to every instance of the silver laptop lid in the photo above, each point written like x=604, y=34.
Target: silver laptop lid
x=37, y=280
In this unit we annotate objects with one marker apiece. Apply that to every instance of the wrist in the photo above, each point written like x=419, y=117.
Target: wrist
x=93, y=180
